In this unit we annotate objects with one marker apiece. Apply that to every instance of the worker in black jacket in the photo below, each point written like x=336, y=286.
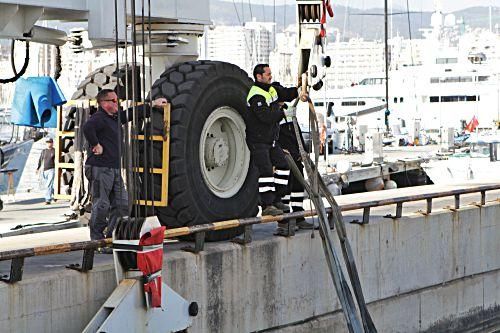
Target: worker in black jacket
x=265, y=111
x=102, y=168
x=295, y=190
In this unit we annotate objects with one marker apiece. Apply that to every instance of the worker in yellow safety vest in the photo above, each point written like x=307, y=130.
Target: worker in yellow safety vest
x=265, y=109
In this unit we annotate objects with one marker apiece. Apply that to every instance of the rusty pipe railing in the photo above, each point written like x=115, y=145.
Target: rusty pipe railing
x=199, y=231
x=185, y=231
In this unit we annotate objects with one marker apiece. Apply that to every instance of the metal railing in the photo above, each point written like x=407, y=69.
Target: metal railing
x=17, y=256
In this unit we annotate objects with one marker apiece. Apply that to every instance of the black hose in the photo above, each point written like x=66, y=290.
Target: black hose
x=57, y=73
x=12, y=63
x=25, y=65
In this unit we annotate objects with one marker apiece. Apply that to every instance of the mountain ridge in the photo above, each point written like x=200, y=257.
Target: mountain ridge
x=357, y=22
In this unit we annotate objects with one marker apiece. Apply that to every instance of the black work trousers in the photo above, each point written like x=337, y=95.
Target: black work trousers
x=294, y=196
x=109, y=200
x=272, y=183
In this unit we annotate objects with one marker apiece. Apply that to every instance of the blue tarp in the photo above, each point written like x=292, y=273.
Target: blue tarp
x=35, y=99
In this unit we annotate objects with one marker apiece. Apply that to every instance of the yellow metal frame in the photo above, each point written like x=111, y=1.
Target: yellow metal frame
x=60, y=166
x=165, y=139
x=164, y=170
x=59, y=136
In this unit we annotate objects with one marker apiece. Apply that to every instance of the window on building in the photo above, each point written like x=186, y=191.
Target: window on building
x=401, y=99
x=441, y=61
x=451, y=79
x=395, y=99
x=447, y=99
x=453, y=98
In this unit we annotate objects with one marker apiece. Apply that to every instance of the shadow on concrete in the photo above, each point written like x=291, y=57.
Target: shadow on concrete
x=26, y=202
x=35, y=208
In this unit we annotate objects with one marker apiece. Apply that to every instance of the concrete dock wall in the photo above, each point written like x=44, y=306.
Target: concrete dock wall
x=417, y=272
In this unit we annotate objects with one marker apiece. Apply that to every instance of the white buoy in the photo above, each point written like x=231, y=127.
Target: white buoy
x=390, y=184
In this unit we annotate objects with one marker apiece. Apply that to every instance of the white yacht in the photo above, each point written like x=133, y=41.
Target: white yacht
x=452, y=84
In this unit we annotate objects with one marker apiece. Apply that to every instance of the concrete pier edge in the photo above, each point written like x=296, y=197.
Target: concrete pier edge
x=417, y=272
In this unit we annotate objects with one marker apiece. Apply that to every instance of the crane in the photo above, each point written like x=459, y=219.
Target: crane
x=208, y=169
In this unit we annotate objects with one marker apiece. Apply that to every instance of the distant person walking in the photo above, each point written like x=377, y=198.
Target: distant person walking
x=47, y=161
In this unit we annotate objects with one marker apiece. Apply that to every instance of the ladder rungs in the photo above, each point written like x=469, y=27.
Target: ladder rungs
x=66, y=134
x=155, y=137
x=149, y=203
x=66, y=165
x=155, y=170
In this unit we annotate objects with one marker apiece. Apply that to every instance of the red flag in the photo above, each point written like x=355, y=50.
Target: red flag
x=471, y=126
x=150, y=263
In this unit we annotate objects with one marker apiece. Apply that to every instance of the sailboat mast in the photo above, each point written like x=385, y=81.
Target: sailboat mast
x=386, y=115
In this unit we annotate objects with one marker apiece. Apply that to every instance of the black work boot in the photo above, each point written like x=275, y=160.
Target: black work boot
x=271, y=210
x=303, y=224
x=282, y=230
x=282, y=206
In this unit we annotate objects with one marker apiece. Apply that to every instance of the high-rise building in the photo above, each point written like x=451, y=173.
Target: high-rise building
x=244, y=46
x=232, y=44
x=352, y=61
x=263, y=40
x=284, y=60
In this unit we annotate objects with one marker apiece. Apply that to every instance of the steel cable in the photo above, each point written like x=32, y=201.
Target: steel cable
x=150, y=61
x=120, y=194
x=133, y=131
x=314, y=190
x=145, y=159
x=334, y=268
x=127, y=151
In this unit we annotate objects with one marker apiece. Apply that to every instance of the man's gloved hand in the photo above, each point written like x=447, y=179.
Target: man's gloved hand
x=304, y=96
x=159, y=102
x=290, y=112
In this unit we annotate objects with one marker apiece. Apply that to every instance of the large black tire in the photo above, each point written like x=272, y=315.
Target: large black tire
x=195, y=90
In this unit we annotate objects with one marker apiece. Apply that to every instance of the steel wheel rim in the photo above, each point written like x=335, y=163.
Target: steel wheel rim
x=224, y=134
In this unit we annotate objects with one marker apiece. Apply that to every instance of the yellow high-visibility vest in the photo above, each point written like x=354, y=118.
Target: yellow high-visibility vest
x=270, y=96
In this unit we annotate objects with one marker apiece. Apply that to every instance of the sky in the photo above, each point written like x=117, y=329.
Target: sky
x=417, y=5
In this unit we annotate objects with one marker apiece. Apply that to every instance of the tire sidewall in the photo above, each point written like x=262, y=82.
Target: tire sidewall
x=216, y=93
